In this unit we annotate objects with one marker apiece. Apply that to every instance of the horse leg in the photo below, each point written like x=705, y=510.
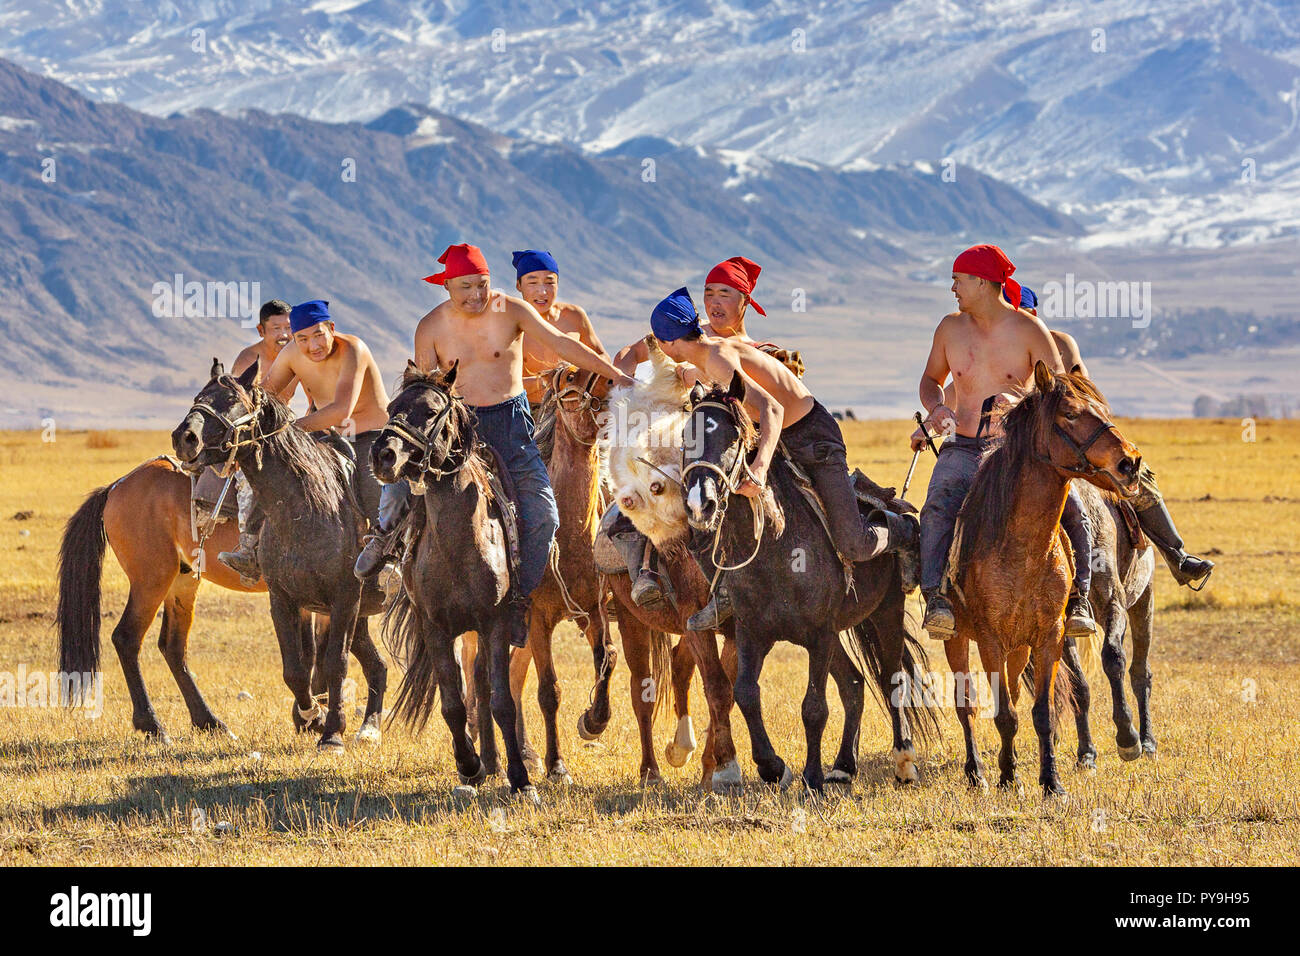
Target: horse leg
x=376, y=673
x=720, y=769
x=593, y=721
x=503, y=707
x=465, y=656
x=173, y=641
x=679, y=749
x=636, y=648
x=1046, y=665
x=343, y=622
x=1112, y=663
x=957, y=650
x=1076, y=684
x=451, y=691
x=1141, y=616
x=548, y=694
x=815, y=711
x=487, y=738
x=889, y=631
x=750, y=654
x=315, y=638
x=1003, y=673
x=852, y=690
x=520, y=659
x=289, y=632
x=128, y=637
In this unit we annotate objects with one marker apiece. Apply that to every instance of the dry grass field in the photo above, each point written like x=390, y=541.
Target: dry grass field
x=1225, y=788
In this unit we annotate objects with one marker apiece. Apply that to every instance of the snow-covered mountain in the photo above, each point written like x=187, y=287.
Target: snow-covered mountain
x=1154, y=121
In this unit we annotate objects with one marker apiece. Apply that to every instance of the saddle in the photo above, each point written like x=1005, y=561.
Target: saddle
x=604, y=553
x=1135, y=536
x=204, y=494
x=503, y=490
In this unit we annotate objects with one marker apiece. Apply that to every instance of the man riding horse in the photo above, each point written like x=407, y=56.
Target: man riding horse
x=787, y=413
x=483, y=331
x=343, y=385
x=728, y=294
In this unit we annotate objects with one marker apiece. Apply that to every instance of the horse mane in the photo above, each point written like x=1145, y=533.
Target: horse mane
x=318, y=469
x=461, y=424
x=1026, y=428
x=749, y=439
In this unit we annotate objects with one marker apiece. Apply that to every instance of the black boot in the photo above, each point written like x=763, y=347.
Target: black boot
x=939, y=619
x=903, y=537
x=243, y=559
x=521, y=613
x=714, y=614
x=373, y=556
x=1186, y=568
x=1078, y=616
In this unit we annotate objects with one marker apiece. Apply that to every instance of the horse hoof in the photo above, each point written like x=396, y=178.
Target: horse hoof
x=1055, y=793
x=333, y=745
x=559, y=776
x=979, y=783
x=1086, y=763
x=464, y=794
x=370, y=734
x=584, y=731
x=530, y=795
x=905, y=772
x=675, y=755
x=727, y=778
x=787, y=778
x=473, y=779
x=1130, y=753
x=840, y=778
x=1149, y=749
x=650, y=777
x=533, y=764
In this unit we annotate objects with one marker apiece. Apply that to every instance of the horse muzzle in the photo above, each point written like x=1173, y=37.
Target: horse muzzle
x=702, y=504
x=1126, y=475
x=187, y=440
x=387, y=459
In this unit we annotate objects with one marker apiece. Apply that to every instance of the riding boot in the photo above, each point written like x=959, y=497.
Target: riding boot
x=521, y=607
x=636, y=550
x=1187, y=569
x=243, y=559
x=939, y=620
x=1078, y=616
x=374, y=555
x=715, y=613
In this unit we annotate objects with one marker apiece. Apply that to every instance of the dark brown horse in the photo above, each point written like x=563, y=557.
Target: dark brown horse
x=455, y=573
x=1013, y=566
x=309, y=542
x=144, y=517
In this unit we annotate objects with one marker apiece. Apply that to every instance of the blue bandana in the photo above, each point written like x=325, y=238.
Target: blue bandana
x=534, y=260
x=1027, y=298
x=306, y=314
x=674, y=317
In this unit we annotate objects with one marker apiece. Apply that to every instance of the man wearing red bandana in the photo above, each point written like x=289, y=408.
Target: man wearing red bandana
x=989, y=346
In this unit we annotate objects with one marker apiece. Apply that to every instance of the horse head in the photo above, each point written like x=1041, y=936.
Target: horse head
x=222, y=412
x=427, y=434
x=1073, y=432
x=716, y=443
x=581, y=399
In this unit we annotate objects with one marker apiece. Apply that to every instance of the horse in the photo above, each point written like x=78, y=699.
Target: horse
x=309, y=541
x=790, y=585
x=1013, y=567
x=572, y=588
x=144, y=516
x=454, y=534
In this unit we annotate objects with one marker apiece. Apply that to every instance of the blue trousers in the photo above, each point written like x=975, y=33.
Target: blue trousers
x=508, y=427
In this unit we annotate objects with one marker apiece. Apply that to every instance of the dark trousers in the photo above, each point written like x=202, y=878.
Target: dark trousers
x=1078, y=528
x=959, y=459
x=816, y=443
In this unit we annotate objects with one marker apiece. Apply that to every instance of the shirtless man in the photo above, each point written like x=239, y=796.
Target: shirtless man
x=728, y=294
x=786, y=412
x=990, y=347
x=273, y=327
x=483, y=330
x=341, y=380
x=1149, y=503
x=537, y=278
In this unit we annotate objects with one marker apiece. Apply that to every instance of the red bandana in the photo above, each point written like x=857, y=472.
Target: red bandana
x=461, y=260
x=990, y=262
x=739, y=273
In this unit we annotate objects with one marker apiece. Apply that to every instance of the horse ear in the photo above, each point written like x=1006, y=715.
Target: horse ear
x=249, y=377
x=1042, y=376
x=736, y=389
x=697, y=394
x=218, y=369
x=1077, y=369
x=449, y=379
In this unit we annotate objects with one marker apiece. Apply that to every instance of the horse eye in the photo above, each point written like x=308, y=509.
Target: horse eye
x=1071, y=416
x=656, y=488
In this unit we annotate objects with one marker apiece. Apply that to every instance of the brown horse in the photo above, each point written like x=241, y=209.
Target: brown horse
x=1013, y=566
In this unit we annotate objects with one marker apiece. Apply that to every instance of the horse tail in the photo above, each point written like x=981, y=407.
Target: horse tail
x=890, y=684
x=661, y=669
x=404, y=638
x=81, y=566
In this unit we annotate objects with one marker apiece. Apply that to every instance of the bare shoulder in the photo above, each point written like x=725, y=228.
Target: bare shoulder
x=574, y=315
x=247, y=356
x=354, y=342
x=950, y=324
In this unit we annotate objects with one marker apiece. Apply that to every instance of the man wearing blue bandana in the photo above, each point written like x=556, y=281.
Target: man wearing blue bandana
x=343, y=384
x=787, y=413
x=537, y=278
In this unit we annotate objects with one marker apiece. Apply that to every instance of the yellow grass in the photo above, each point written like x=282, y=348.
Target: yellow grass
x=1223, y=790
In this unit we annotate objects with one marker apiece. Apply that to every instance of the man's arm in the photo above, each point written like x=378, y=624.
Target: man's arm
x=426, y=355
x=571, y=350
x=352, y=375
x=630, y=356
x=760, y=405
x=931, y=388
x=244, y=359
x=587, y=332
x=1071, y=357
x=1042, y=347
x=281, y=374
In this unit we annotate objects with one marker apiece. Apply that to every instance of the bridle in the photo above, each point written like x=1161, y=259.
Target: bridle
x=1086, y=468
x=240, y=432
x=588, y=404
x=423, y=440
x=730, y=479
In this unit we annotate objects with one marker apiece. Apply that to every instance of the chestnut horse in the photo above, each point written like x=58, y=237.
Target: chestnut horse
x=1013, y=563
x=144, y=516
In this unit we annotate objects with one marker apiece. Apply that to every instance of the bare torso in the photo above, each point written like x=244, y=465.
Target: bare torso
x=320, y=380
x=538, y=358
x=773, y=377
x=488, y=346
